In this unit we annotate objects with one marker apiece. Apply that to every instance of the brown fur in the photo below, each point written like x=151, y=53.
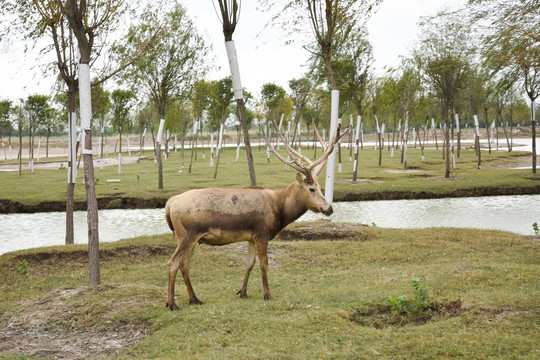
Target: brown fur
x=224, y=216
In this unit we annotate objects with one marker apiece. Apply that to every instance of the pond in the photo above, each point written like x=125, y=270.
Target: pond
x=509, y=213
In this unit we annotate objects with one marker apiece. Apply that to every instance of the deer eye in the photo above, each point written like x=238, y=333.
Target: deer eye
x=312, y=190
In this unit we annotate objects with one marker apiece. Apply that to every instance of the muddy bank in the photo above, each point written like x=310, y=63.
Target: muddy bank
x=9, y=206
x=119, y=202
x=411, y=195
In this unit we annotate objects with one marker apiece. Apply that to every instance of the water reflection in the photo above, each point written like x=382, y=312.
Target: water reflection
x=509, y=213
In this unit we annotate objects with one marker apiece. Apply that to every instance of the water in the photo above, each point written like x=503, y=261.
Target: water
x=24, y=231
x=509, y=213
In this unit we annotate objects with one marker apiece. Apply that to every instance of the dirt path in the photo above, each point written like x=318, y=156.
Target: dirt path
x=57, y=164
x=43, y=330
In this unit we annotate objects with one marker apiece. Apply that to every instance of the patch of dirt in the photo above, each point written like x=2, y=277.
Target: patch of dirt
x=382, y=316
x=323, y=230
x=135, y=253
x=524, y=161
x=46, y=329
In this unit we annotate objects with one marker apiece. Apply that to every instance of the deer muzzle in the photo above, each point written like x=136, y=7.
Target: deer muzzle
x=328, y=211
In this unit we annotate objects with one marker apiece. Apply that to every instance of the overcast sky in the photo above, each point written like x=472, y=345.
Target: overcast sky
x=263, y=58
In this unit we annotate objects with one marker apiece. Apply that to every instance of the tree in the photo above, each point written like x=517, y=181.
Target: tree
x=409, y=88
x=511, y=39
x=443, y=56
x=122, y=102
x=476, y=94
x=6, y=127
x=221, y=98
x=229, y=15
x=300, y=92
x=51, y=123
x=272, y=96
x=330, y=21
x=88, y=20
x=101, y=105
x=175, y=62
x=200, y=100
x=39, y=111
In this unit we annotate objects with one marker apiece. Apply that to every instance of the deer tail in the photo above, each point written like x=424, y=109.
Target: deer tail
x=168, y=217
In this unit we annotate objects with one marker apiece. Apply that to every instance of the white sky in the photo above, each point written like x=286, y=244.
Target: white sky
x=392, y=32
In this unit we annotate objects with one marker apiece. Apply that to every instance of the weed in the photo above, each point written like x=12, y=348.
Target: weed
x=23, y=268
x=373, y=224
x=535, y=228
x=416, y=306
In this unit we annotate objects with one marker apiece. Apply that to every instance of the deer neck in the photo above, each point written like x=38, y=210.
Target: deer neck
x=291, y=206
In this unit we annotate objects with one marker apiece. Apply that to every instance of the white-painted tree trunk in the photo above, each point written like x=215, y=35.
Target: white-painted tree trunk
x=72, y=149
x=331, y=162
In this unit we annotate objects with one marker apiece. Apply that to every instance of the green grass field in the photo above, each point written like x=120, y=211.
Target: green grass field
x=328, y=296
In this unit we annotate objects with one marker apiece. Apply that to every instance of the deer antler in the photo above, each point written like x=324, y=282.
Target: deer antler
x=319, y=164
x=313, y=167
x=294, y=163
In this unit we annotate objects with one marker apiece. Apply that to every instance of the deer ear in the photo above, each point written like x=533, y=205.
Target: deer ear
x=299, y=178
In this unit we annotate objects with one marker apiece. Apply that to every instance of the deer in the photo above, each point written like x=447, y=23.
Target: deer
x=217, y=217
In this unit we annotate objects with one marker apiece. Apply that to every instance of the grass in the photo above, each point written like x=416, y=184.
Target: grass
x=139, y=180
x=319, y=286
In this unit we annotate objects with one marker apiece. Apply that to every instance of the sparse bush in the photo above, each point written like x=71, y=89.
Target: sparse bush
x=416, y=306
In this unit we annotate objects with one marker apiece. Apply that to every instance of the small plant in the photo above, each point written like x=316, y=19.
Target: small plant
x=373, y=224
x=62, y=167
x=138, y=178
x=535, y=228
x=96, y=180
x=415, y=306
x=23, y=268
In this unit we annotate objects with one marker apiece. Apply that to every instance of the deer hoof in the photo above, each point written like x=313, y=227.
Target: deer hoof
x=172, y=306
x=196, y=302
x=267, y=297
x=242, y=294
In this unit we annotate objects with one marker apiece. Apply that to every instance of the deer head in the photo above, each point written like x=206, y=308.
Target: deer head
x=310, y=190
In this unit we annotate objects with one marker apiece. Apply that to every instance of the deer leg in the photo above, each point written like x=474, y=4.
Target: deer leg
x=173, y=264
x=184, y=249
x=262, y=247
x=252, y=254
x=184, y=268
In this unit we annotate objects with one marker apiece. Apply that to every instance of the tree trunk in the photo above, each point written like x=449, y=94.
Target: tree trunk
x=20, y=142
x=533, y=123
x=487, y=130
x=242, y=116
x=70, y=202
x=92, y=213
x=47, y=144
x=446, y=143
x=91, y=200
x=160, y=165
x=193, y=149
x=380, y=148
